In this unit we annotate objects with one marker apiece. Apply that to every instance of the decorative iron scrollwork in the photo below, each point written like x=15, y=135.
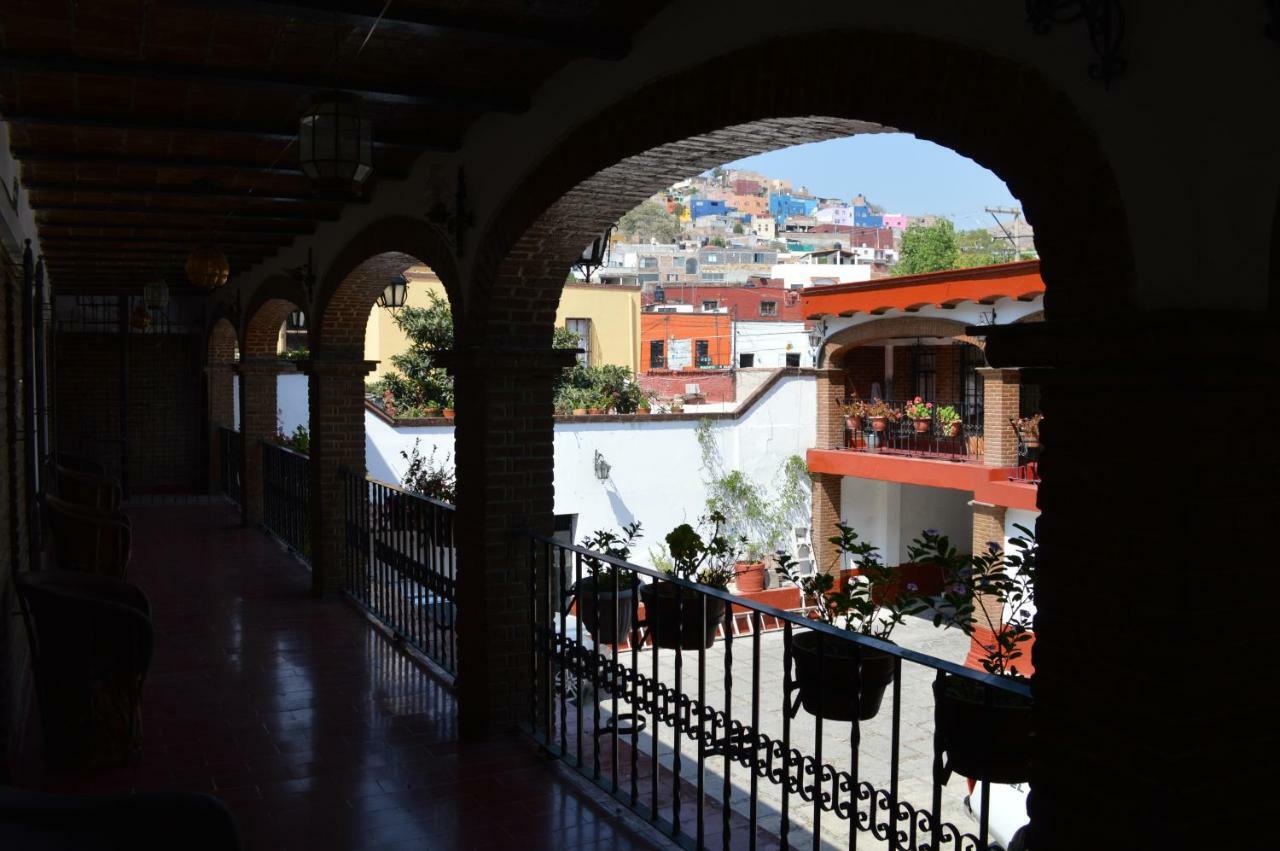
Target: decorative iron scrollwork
x=1104, y=20
x=450, y=216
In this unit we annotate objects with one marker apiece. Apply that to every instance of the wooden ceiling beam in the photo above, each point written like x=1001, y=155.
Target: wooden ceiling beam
x=194, y=191
x=126, y=243
x=508, y=32
x=427, y=94
x=215, y=224
x=35, y=157
x=275, y=131
x=240, y=216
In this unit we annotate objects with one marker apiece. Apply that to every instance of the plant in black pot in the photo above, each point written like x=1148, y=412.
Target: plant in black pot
x=841, y=679
x=605, y=594
x=985, y=732
x=681, y=617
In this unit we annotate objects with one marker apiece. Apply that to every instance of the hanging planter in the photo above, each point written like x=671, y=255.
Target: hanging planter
x=847, y=684
x=606, y=612
x=207, y=267
x=983, y=738
x=689, y=623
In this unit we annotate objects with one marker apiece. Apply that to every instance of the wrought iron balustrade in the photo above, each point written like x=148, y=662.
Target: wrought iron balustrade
x=230, y=448
x=707, y=740
x=401, y=563
x=286, y=496
x=899, y=434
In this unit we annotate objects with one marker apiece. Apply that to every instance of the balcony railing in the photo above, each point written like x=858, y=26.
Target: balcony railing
x=401, y=564
x=899, y=434
x=286, y=496
x=230, y=453
x=682, y=701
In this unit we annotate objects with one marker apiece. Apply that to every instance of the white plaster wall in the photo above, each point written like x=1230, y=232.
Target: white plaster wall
x=802, y=274
x=769, y=342
x=1007, y=310
x=942, y=509
x=890, y=515
x=1019, y=517
x=291, y=401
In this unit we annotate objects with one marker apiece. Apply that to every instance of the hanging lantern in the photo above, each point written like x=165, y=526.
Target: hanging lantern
x=335, y=144
x=396, y=293
x=207, y=267
x=156, y=295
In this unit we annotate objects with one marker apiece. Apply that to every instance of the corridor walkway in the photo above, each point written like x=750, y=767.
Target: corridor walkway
x=312, y=726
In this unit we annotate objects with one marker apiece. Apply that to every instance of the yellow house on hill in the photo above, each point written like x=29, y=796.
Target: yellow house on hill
x=606, y=318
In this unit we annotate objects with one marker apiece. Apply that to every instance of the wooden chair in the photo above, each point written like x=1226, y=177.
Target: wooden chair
x=87, y=540
x=91, y=642
x=88, y=489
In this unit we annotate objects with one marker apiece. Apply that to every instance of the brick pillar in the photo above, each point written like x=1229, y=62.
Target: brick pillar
x=826, y=513
x=1001, y=393
x=222, y=413
x=988, y=525
x=1154, y=651
x=336, y=405
x=257, y=423
x=830, y=431
x=505, y=459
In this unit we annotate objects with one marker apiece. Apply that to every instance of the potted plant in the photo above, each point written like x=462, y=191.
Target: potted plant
x=447, y=404
x=678, y=616
x=1028, y=428
x=605, y=594
x=431, y=409
x=986, y=734
x=677, y=405
x=845, y=680
x=949, y=424
x=748, y=572
x=920, y=413
x=854, y=413
x=880, y=414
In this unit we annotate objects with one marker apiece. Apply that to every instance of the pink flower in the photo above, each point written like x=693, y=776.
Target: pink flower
x=918, y=399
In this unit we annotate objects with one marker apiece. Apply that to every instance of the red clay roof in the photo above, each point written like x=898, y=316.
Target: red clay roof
x=983, y=284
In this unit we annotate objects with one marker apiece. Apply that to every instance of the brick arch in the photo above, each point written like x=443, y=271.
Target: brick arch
x=1047, y=155
x=262, y=327
x=835, y=347
x=360, y=271
x=1038, y=316
x=223, y=343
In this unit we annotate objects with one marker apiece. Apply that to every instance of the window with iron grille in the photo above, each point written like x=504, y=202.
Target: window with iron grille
x=924, y=372
x=581, y=328
x=710, y=304
x=657, y=354
x=768, y=308
x=793, y=358
x=971, y=360
x=702, y=352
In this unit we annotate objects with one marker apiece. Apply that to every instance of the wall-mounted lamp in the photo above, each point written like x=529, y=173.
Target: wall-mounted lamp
x=297, y=319
x=601, y=467
x=396, y=293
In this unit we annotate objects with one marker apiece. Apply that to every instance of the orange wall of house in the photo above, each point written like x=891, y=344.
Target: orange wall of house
x=715, y=328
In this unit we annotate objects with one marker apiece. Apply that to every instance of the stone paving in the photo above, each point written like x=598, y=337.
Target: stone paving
x=915, y=745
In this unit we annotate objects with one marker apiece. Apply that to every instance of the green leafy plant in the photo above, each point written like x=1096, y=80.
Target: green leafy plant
x=431, y=478
x=416, y=381
x=1005, y=579
x=947, y=416
x=708, y=561
x=614, y=545
x=918, y=409
x=871, y=603
x=295, y=354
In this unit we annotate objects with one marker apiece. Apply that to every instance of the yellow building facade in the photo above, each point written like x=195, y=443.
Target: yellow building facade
x=607, y=317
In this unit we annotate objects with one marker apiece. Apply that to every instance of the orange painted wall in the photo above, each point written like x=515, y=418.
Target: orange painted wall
x=715, y=328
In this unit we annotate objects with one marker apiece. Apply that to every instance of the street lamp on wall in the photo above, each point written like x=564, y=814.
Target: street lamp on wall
x=396, y=293
x=601, y=466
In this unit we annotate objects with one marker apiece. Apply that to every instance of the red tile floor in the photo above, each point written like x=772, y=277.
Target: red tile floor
x=309, y=723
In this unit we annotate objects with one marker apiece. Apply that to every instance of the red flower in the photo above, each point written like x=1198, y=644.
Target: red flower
x=918, y=399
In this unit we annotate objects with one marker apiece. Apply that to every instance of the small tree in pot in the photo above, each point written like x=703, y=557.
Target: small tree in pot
x=985, y=733
x=843, y=680
x=604, y=594
x=682, y=617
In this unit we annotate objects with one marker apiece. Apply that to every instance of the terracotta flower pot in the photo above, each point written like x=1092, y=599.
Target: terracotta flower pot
x=673, y=622
x=643, y=412
x=983, y=738
x=579, y=412
x=595, y=411
x=431, y=412
x=853, y=423
x=953, y=429
x=849, y=681
x=448, y=413
x=879, y=423
x=749, y=576
x=1031, y=442
x=921, y=424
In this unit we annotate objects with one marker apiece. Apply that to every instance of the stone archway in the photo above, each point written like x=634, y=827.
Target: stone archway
x=839, y=343
x=260, y=368
x=609, y=164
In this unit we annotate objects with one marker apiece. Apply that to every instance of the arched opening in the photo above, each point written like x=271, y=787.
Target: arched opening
x=222, y=355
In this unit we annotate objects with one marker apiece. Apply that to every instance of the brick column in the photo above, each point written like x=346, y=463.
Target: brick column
x=988, y=525
x=1001, y=393
x=257, y=423
x=830, y=431
x=826, y=513
x=336, y=406
x=505, y=458
x=1155, y=642
x=222, y=413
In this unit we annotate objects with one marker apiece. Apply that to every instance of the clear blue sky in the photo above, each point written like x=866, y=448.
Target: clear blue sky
x=899, y=172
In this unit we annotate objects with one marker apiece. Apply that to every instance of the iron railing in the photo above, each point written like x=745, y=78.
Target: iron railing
x=230, y=457
x=286, y=496
x=674, y=734
x=898, y=434
x=401, y=564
